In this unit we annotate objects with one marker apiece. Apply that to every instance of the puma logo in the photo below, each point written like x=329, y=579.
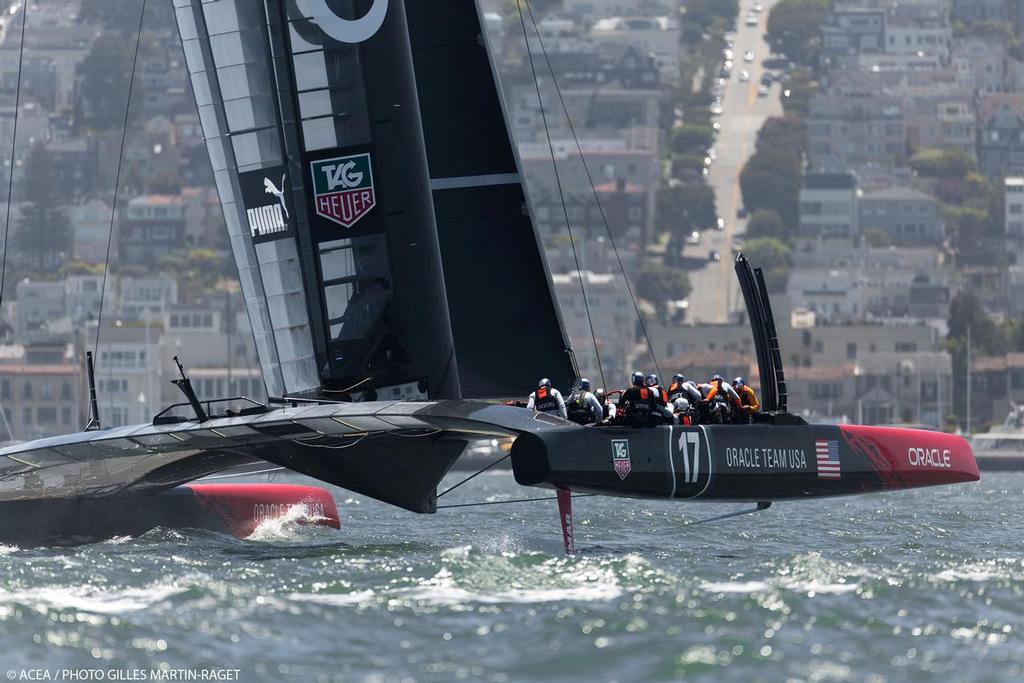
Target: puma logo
x=270, y=188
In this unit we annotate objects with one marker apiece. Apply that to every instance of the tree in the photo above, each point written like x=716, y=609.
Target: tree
x=660, y=284
x=79, y=268
x=765, y=223
x=687, y=168
x=703, y=13
x=105, y=74
x=965, y=225
x=117, y=15
x=771, y=180
x=987, y=338
x=43, y=237
x=786, y=132
x=877, y=238
x=773, y=257
x=688, y=139
x=197, y=271
x=973, y=189
x=802, y=87
x=942, y=163
x=681, y=209
x=794, y=29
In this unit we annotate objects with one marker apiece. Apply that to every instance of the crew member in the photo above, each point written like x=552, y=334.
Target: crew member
x=675, y=390
x=715, y=387
x=748, y=399
x=666, y=405
x=720, y=401
x=637, y=403
x=547, y=399
x=681, y=408
x=691, y=392
x=608, y=409
x=583, y=407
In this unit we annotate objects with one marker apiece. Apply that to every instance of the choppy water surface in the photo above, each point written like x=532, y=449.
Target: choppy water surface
x=919, y=585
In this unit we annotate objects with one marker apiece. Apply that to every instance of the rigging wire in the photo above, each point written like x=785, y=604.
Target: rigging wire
x=590, y=179
x=242, y=474
x=561, y=191
x=117, y=181
x=475, y=474
x=14, y=142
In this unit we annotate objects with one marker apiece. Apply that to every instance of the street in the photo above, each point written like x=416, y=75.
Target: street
x=715, y=292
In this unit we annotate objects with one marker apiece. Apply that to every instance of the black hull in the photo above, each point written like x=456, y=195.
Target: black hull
x=398, y=452
x=740, y=463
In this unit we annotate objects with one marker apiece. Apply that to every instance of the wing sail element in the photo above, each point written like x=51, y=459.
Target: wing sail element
x=506, y=323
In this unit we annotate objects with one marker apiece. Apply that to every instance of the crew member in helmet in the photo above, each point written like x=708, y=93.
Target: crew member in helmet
x=547, y=399
x=675, y=390
x=583, y=407
x=681, y=409
x=634, y=403
x=652, y=383
x=666, y=405
x=748, y=399
x=608, y=409
x=720, y=387
x=720, y=400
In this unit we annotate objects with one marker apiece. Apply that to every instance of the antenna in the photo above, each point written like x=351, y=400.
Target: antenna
x=94, y=410
x=185, y=384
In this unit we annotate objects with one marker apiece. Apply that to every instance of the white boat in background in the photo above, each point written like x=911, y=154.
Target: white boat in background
x=1002, y=447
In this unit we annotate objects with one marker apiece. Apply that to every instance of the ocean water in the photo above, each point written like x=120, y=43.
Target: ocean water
x=910, y=586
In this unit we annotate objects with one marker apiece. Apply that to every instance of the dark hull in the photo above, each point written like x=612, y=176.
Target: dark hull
x=235, y=509
x=749, y=463
x=397, y=452
x=1002, y=462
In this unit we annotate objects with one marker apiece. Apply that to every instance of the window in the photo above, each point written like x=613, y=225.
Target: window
x=826, y=390
x=47, y=415
x=26, y=391
x=5, y=389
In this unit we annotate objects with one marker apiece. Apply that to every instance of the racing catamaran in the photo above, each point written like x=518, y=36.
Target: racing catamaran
x=393, y=277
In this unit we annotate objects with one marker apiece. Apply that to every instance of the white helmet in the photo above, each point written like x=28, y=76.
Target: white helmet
x=681, y=405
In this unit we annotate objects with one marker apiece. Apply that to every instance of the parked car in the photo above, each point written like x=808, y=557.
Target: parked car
x=748, y=56
x=693, y=238
x=751, y=19
x=714, y=256
x=741, y=212
x=744, y=76
x=762, y=90
x=719, y=224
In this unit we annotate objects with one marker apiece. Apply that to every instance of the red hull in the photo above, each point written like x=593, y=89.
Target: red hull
x=243, y=507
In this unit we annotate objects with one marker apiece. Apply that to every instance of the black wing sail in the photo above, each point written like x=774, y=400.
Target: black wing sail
x=505, y=322
x=311, y=114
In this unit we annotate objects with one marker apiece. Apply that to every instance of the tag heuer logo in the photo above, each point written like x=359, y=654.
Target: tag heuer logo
x=343, y=188
x=620, y=458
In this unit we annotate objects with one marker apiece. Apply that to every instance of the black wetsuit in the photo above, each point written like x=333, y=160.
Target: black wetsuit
x=643, y=407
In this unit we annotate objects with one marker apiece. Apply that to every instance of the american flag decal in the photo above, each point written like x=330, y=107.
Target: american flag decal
x=827, y=454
